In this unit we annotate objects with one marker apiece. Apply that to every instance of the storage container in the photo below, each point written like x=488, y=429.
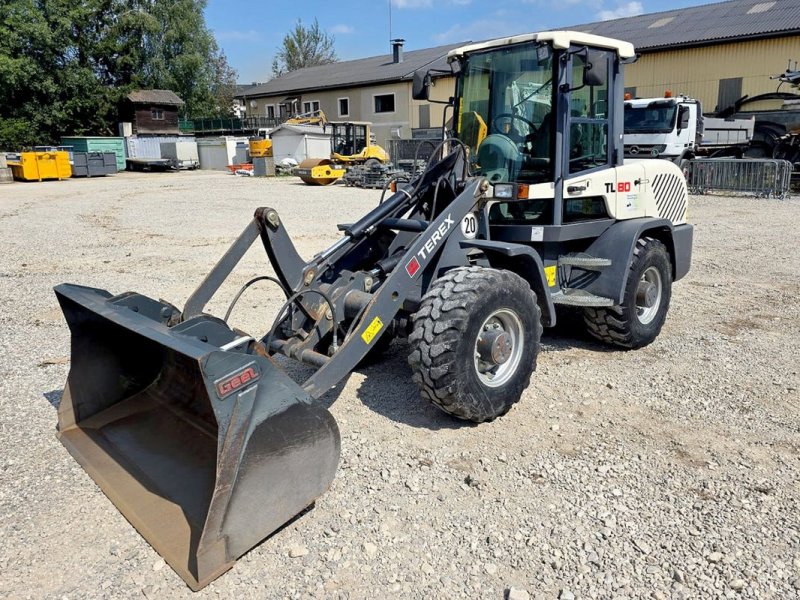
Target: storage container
x=217, y=153
x=300, y=142
x=93, y=164
x=36, y=166
x=98, y=144
x=149, y=147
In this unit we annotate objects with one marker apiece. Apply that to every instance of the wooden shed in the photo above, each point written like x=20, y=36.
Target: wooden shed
x=153, y=112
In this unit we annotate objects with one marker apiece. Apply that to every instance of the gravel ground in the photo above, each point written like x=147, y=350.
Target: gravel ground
x=667, y=472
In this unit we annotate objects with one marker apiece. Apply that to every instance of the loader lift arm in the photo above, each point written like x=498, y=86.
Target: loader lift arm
x=324, y=301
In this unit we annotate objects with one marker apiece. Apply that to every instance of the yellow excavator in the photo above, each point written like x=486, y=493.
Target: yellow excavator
x=351, y=144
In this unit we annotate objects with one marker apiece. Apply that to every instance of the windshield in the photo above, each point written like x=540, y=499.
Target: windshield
x=504, y=113
x=656, y=117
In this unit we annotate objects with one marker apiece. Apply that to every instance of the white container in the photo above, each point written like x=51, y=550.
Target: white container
x=300, y=142
x=216, y=154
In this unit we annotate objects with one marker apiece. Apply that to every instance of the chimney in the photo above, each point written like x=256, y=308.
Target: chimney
x=397, y=50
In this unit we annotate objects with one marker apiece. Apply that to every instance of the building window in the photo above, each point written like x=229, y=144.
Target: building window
x=157, y=114
x=384, y=103
x=311, y=106
x=344, y=107
x=730, y=90
x=270, y=111
x=630, y=91
x=424, y=116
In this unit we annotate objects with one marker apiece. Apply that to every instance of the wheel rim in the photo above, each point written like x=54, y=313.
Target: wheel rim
x=498, y=348
x=648, y=295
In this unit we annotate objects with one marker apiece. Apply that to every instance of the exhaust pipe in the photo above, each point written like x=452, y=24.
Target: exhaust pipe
x=205, y=451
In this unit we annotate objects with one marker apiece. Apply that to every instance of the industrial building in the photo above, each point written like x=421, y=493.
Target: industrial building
x=375, y=89
x=716, y=53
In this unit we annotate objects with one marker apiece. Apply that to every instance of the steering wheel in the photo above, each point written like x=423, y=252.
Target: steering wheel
x=531, y=126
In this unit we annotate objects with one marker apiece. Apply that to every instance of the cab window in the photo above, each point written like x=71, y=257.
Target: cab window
x=589, y=146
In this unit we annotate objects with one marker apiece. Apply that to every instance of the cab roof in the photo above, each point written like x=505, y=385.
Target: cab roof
x=559, y=39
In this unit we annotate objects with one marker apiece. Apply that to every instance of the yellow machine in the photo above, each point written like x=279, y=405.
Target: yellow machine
x=316, y=117
x=351, y=144
x=260, y=147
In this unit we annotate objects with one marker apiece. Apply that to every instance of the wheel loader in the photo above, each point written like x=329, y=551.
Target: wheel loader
x=207, y=445
x=352, y=143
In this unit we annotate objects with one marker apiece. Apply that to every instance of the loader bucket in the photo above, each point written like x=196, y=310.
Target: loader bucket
x=205, y=451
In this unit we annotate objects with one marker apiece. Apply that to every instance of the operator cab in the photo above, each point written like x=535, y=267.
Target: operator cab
x=349, y=138
x=536, y=110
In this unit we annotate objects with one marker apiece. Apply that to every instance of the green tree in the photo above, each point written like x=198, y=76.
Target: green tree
x=67, y=65
x=304, y=47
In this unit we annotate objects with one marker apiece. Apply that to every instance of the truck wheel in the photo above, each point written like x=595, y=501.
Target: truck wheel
x=474, y=342
x=639, y=319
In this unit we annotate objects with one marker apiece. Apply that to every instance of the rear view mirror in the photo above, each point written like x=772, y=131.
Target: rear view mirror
x=595, y=71
x=683, y=117
x=421, y=85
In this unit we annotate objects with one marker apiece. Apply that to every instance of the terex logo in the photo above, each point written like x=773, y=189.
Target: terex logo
x=231, y=383
x=436, y=237
x=430, y=245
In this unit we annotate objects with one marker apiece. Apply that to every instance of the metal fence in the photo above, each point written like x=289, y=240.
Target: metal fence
x=410, y=149
x=227, y=125
x=759, y=177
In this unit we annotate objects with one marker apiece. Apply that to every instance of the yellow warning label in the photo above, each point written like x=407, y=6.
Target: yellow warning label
x=550, y=273
x=371, y=331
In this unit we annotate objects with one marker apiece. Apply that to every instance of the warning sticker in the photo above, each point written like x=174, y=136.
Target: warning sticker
x=550, y=274
x=371, y=331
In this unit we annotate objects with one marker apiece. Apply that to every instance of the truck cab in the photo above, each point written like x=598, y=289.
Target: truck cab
x=675, y=129
x=668, y=128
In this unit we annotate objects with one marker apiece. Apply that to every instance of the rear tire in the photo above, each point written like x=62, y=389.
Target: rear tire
x=467, y=309
x=638, y=320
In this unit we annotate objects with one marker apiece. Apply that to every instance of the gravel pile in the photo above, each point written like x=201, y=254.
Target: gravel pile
x=667, y=472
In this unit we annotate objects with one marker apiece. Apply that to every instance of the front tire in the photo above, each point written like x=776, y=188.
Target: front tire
x=474, y=342
x=638, y=320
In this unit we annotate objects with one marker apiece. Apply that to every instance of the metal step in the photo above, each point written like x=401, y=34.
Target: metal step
x=573, y=297
x=583, y=261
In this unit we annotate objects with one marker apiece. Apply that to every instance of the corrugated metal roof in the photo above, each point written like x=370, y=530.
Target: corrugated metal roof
x=375, y=69
x=155, y=97
x=734, y=19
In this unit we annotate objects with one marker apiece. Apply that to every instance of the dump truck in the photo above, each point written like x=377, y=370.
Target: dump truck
x=674, y=128
x=207, y=445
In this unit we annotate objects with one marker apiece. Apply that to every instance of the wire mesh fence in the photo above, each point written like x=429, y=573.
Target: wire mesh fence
x=758, y=177
x=411, y=149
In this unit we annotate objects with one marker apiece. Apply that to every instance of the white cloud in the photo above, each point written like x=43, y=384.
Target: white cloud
x=343, y=29
x=629, y=9
x=235, y=35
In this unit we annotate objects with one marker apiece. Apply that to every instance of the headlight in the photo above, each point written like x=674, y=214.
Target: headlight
x=504, y=191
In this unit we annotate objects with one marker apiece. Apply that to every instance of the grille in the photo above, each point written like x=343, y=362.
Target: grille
x=670, y=196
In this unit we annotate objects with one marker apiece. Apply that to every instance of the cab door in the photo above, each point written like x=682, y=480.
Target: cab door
x=590, y=179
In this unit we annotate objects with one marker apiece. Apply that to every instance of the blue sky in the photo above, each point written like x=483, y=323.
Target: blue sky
x=251, y=34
